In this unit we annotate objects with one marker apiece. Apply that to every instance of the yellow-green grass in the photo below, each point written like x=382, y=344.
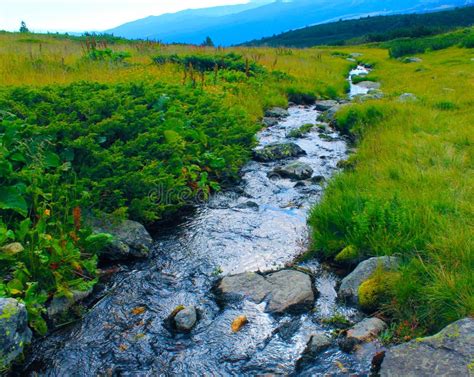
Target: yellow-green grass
x=38, y=60
x=411, y=190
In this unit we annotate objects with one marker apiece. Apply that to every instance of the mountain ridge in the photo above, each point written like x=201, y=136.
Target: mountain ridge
x=235, y=24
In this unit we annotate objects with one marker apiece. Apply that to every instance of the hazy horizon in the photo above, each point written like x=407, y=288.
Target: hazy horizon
x=88, y=15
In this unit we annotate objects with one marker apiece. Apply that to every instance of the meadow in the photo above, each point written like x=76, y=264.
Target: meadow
x=91, y=124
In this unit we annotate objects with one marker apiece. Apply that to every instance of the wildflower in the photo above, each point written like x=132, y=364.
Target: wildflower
x=76, y=213
x=47, y=212
x=48, y=237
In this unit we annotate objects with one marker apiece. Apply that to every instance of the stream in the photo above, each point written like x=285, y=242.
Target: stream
x=259, y=225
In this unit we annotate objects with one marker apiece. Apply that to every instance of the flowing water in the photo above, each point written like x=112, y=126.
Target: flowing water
x=259, y=225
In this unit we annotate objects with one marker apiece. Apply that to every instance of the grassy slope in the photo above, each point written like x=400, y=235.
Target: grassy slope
x=411, y=191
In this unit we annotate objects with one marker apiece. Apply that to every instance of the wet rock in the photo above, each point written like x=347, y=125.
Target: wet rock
x=14, y=330
x=270, y=122
x=350, y=284
x=448, y=353
x=185, y=319
x=60, y=305
x=238, y=323
x=369, y=84
x=325, y=105
x=407, y=97
x=285, y=291
x=295, y=170
x=278, y=152
x=412, y=60
x=362, y=332
x=248, y=205
x=131, y=239
x=291, y=291
x=288, y=329
x=246, y=285
x=318, y=179
x=318, y=342
x=330, y=114
x=277, y=112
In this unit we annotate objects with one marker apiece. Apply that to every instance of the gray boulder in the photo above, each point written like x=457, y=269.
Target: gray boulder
x=330, y=114
x=412, y=60
x=325, y=105
x=277, y=112
x=318, y=342
x=291, y=291
x=369, y=84
x=407, y=97
x=185, y=319
x=270, y=122
x=60, y=305
x=363, y=332
x=14, y=330
x=284, y=291
x=296, y=170
x=448, y=353
x=349, y=289
x=356, y=55
x=130, y=239
x=278, y=152
x=246, y=285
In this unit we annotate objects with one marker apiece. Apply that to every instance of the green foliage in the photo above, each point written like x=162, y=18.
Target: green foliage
x=140, y=146
x=210, y=63
x=353, y=121
x=38, y=194
x=404, y=47
x=108, y=55
x=373, y=29
x=23, y=28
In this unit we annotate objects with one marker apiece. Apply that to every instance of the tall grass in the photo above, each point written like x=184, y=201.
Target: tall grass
x=410, y=192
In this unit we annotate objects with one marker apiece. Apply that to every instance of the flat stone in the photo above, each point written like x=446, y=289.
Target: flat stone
x=269, y=121
x=284, y=291
x=14, y=330
x=367, y=330
x=325, y=105
x=185, y=319
x=277, y=112
x=275, y=152
x=350, y=284
x=318, y=342
x=291, y=291
x=295, y=170
x=131, y=239
x=369, y=84
x=412, y=60
x=246, y=285
x=448, y=353
x=407, y=97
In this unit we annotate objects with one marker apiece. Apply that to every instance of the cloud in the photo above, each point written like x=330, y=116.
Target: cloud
x=82, y=15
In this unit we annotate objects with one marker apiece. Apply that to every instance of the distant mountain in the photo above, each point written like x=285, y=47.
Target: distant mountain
x=372, y=29
x=236, y=24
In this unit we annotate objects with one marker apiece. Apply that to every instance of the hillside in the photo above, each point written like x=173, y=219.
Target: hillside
x=372, y=29
x=241, y=23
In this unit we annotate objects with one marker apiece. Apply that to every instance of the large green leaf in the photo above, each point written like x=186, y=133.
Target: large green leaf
x=11, y=198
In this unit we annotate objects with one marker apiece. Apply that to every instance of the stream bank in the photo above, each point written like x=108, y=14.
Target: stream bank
x=258, y=226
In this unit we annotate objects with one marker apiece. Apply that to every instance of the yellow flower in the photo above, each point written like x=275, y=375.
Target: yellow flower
x=48, y=237
x=47, y=212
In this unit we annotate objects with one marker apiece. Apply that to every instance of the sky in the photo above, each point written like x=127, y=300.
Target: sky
x=89, y=15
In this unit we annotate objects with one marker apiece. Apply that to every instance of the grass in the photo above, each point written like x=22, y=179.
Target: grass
x=410, y=192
